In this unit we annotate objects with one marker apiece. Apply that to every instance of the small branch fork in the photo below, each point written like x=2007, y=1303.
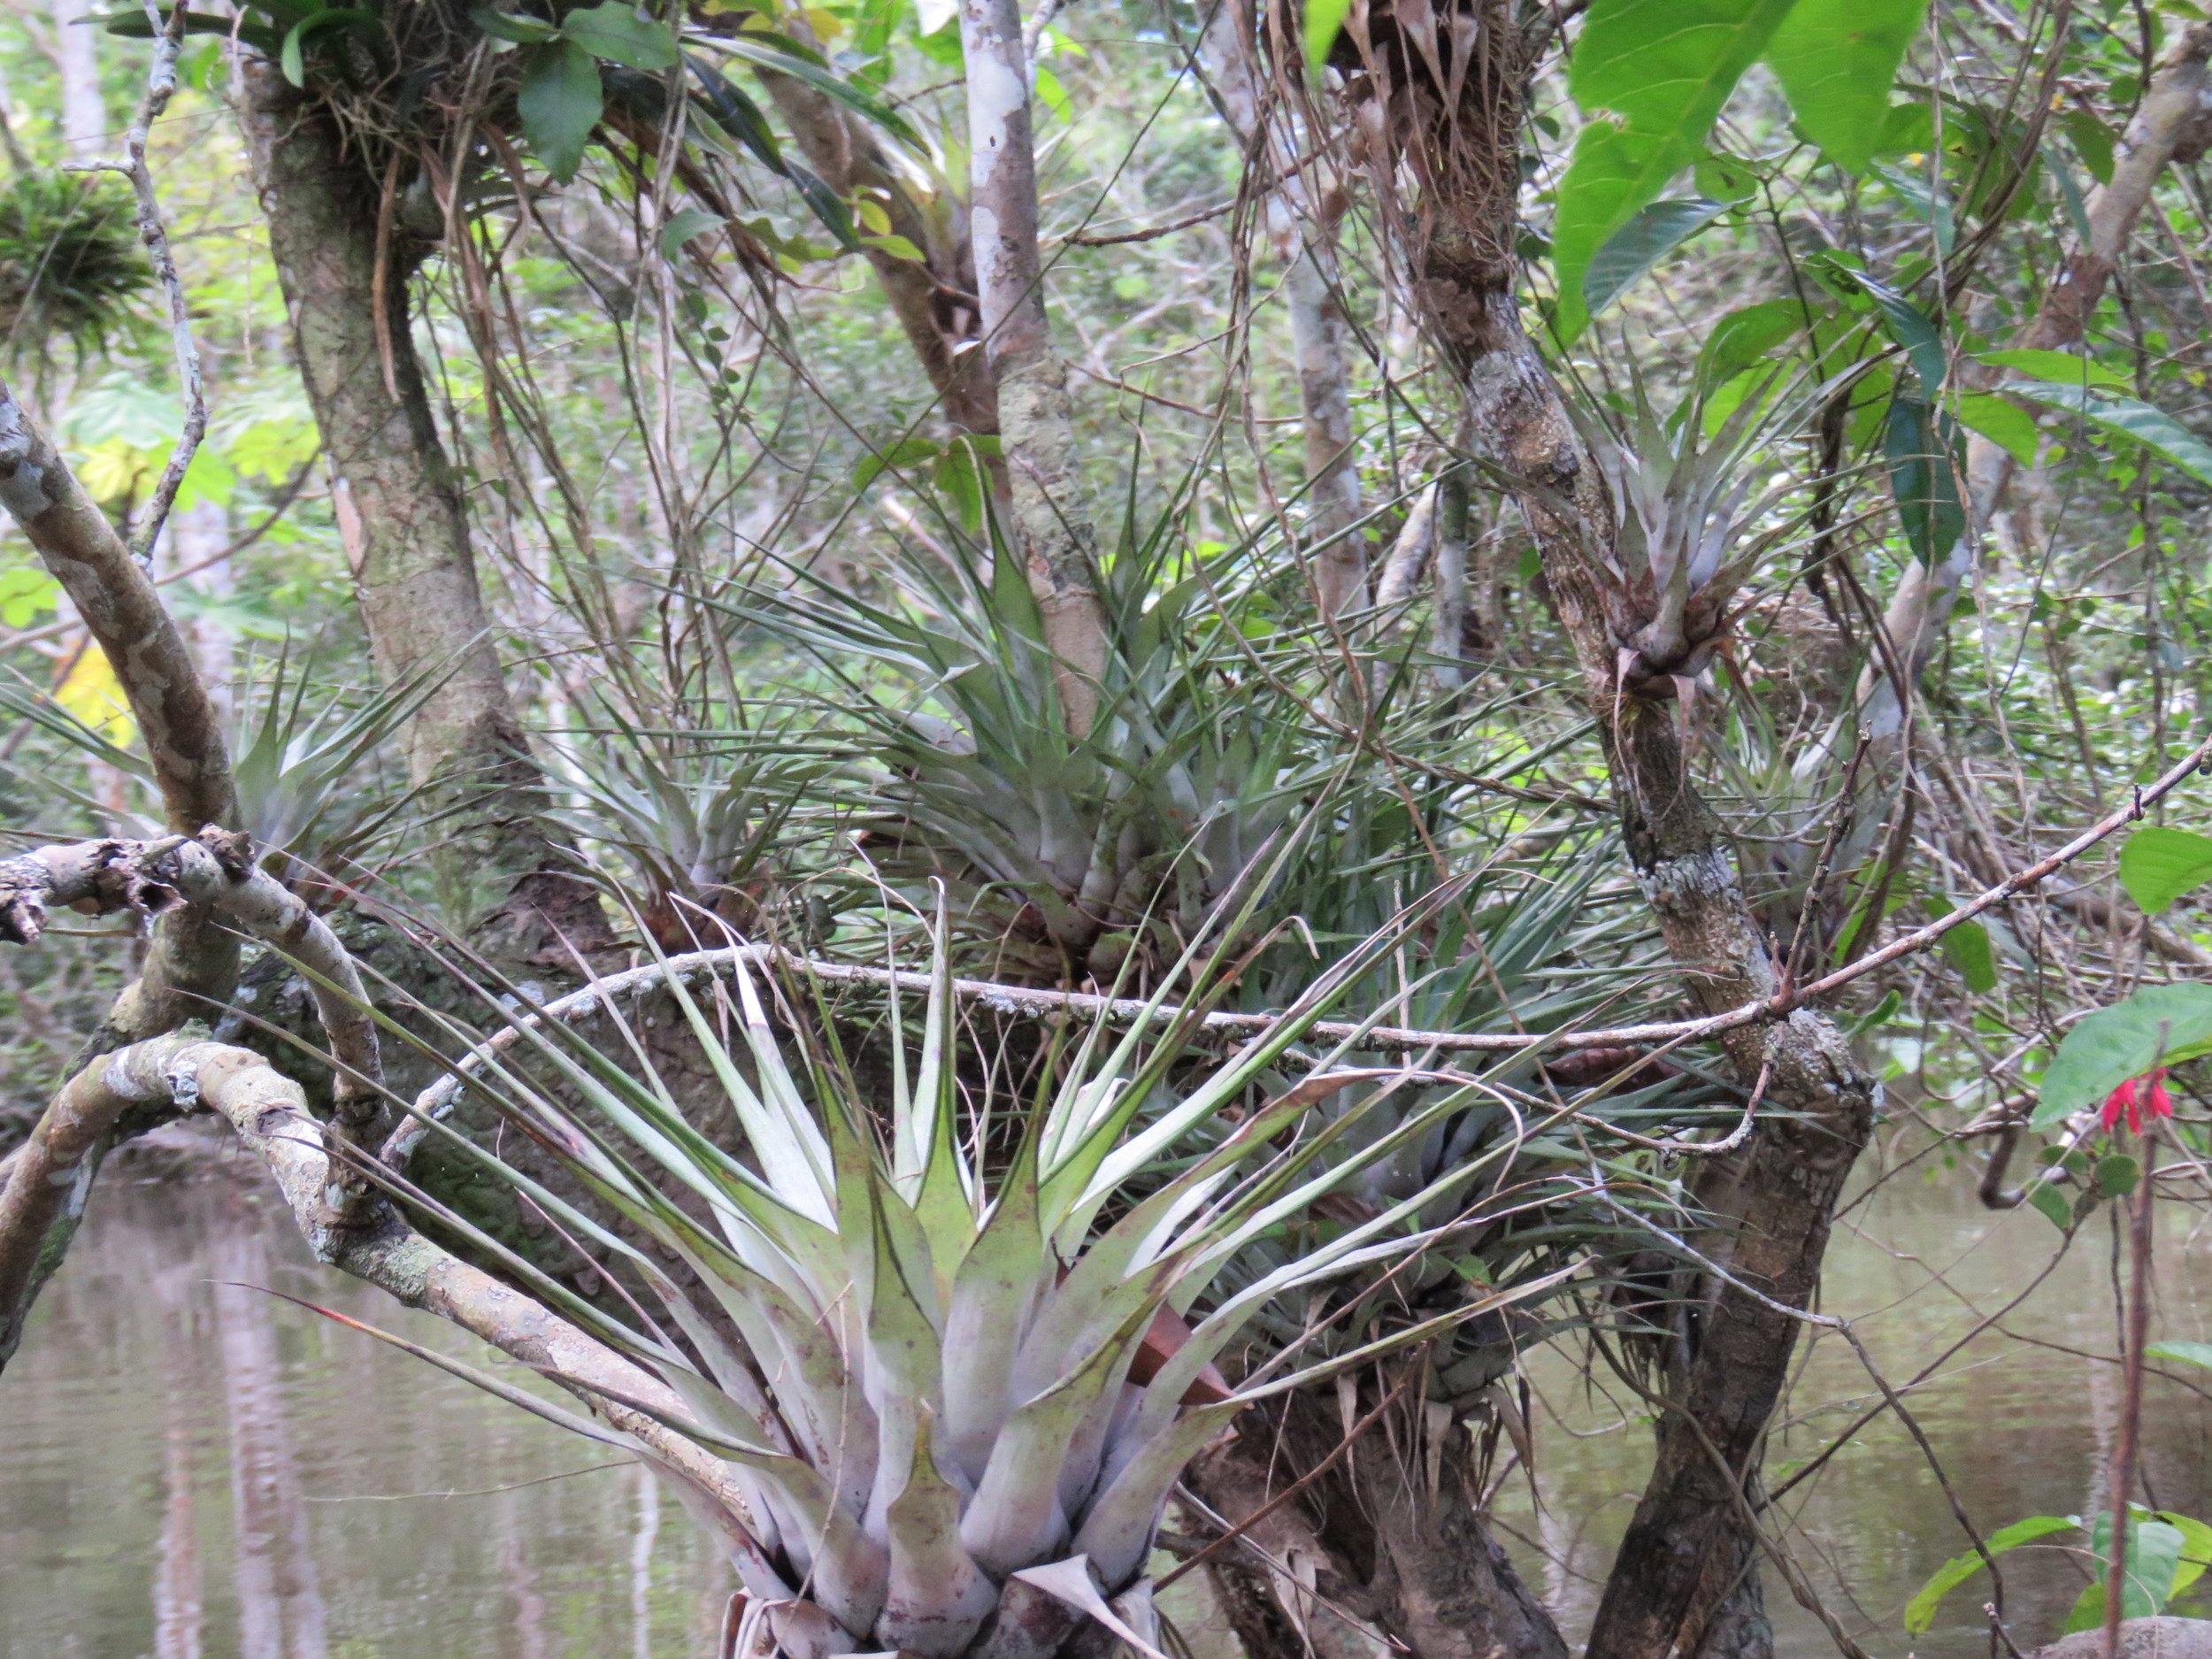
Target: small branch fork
x=48, y=1183
x=161, y=86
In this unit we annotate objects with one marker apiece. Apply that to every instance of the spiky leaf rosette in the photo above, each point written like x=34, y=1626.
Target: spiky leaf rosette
x=707, y=822
x=1689, y=532
x=1126, y=833
x=308, y=795
x=70, y=262
x=940, y=1354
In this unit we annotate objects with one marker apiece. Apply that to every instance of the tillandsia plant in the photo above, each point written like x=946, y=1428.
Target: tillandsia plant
x=709, y=822
x=71, y=265
x=954, y=1357
x=1691, y=531
x=307, y=790
x=1072, y=848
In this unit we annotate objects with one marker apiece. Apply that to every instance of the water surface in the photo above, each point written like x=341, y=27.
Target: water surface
x=2021, y=1420
x=196, y=1467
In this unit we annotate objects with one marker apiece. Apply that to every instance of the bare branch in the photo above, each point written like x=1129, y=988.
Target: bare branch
x=80, y=550
x=161, y=86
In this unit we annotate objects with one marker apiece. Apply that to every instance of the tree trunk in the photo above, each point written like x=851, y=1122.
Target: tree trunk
x=1383, y=1550
x=934, y=298
x=1051, y=522
x=84, y=117
x=1686, y=1579
x=403, y=523
x=192, y=964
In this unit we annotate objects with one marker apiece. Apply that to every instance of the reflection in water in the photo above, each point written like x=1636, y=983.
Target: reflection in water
x=272, y=1564
x=2021, y=1418
x=177, y=1580
x=198, y=1468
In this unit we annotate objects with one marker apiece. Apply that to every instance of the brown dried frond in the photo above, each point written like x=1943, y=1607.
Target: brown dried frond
x=1438, y=98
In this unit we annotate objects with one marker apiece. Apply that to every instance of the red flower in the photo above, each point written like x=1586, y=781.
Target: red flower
x=2124, y=1099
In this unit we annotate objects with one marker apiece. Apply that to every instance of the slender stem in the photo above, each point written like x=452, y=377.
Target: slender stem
x=161, y=86
x=2124, y=1450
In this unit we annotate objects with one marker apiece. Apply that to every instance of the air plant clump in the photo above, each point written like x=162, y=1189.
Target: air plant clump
x=708, y=822
x=1073, y=850
x=954, y=1355
x=71, y=265
x=1687, y=537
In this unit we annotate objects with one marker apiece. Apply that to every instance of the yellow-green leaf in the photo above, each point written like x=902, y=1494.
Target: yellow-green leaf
x=1652, y=75
x=2159, y=864
x=1837, y=61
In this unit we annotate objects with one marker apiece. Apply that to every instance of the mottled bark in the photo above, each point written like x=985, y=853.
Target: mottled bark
x=191, y=965
x=1447, y=615
x=1684, y=1580
x=403, y=521
x=211, y=879
x=1050, y=521
x=1319, y=335
x=48, y=1183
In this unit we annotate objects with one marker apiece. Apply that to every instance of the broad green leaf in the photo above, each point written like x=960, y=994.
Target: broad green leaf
x=291, y=60
x=2159, y=864
x=1641, y=243
x=2002, y=422
x=292, y=56
x=2153, y=1558
x=1053, y=96
x=1742, y=338
x=775, y=53
x=2062, y=366
x=1908, y=128
x=25, y=595
x=614, y=32
x=2187, y=1353
x=1921, y=1610
x=2157, y=1026
x=2126, y=417
x=905, y=454
x=1912, y=329
x=2116, y=1177
x=559, y=103
x=683, y=225
x=1924, y=191
x=2051, y=1204
x=1724, y=178
x=897, y=247
x=1652, y=75
x=2196, y=1550
x=502, y=26
x=1324, y=20
x=2092, y=140
x=1837, y=60
x=1925, y=468
x=1967, y=949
